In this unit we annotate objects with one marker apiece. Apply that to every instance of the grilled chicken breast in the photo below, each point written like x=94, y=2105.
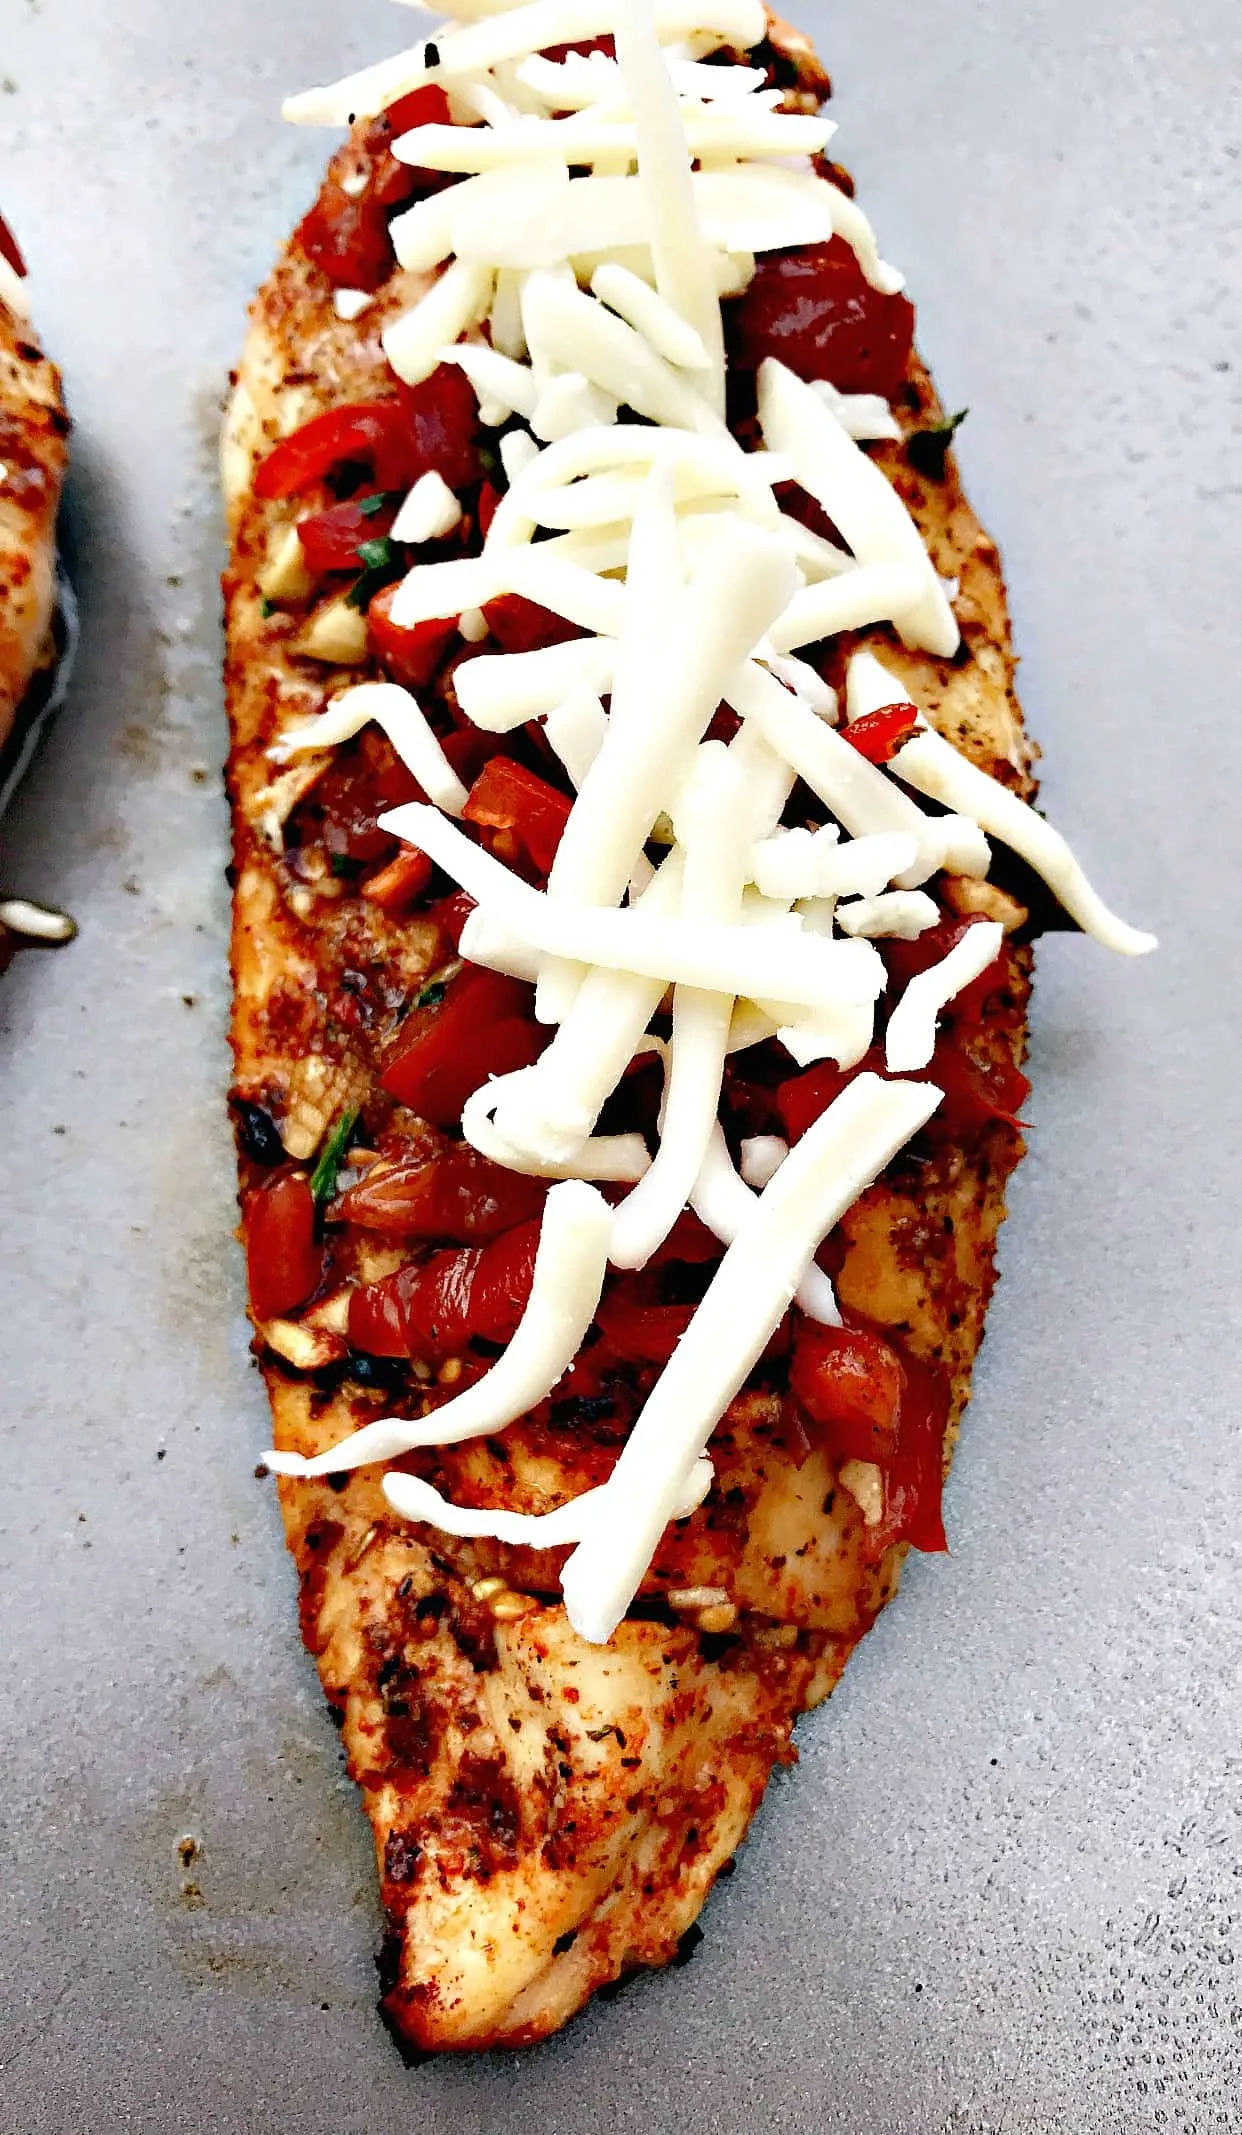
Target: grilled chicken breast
x=33, y=451
x=549, y=1814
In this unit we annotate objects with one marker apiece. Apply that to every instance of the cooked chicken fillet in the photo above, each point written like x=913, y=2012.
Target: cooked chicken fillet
x=33, y=451
x=550, y=1814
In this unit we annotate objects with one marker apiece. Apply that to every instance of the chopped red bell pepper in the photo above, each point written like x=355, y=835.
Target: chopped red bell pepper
x=412, y=653
x=330, y=539
x=374, y=432
x=976, y=1094
x=399, y=885
x=483, y=1027
x=508, y=798
x=914, y=1483
x=879, y=735
x=284, y=1258
x=521, y=625
x=489, y=499
x=451, y=1195
x=11, y=250
x=432, y=1311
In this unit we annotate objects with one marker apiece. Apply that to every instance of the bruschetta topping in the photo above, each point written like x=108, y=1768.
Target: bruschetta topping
x=638, y=270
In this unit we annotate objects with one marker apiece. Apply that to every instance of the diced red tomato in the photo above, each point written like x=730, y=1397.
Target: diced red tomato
x=450, y=1194
x=816, y=310
x=864, y=1398
x=879, y=735
x=284, y=1259
x=432, y=426
x=976, y=1094
x=451, y=914
x=484, y=1026
x=489, y=498
x=520, y=625
x=330, y=539
x=375, y=433
x=346, y=233
x=689, y=1244
x=357, y=788
x=411, y=655
x=11, y=250
x=443, y=414
x=508, y=798
x=849, y=1382
x=399, y=885
x=636, y=1326
x=432, y=1311
x=906, y=959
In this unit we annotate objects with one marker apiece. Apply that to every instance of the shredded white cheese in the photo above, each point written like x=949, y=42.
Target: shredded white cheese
x=835, y=1162
x=400, y=715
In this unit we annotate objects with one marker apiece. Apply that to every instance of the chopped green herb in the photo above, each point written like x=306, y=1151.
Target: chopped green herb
x=371, y=507
x=928, y=450
x=266, y=607
x=373, y=581
x=324, y=1177
x=343, y=867
x=382, y=554
x=431, y=996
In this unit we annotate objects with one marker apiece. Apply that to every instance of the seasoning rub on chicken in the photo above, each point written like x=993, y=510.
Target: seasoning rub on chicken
x=635, y=882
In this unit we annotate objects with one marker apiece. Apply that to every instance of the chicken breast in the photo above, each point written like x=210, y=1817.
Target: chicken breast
x=549, y=1814
x=34, y=429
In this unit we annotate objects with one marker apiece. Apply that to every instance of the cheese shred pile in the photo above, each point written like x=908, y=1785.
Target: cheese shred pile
x=605, y=206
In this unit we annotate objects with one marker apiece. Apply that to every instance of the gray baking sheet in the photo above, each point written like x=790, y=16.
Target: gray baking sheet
x=1002, y=1891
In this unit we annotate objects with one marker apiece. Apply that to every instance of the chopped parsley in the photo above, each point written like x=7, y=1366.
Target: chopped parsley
x=431, y=996
x=371, y=507
x=383, y=561
x=928, y=450
x=267, y=607
x=324, y=1177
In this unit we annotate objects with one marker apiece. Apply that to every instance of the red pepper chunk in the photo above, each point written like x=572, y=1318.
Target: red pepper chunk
x=432, y=426
x=521, y=625
x=432, y=1311
x=10, y=250
x=506, y=797
x=816, y=310
x=346, y=233
x=867, y=1400
x=483, y=1027
x=848, y=1382
x=879, y=735
x=373, y=432
x=443, y=416
x=395, y=887
x=451, y=1195
x=412, y=653
x=330, y=539
x=284, y=1259
x=637, y=1327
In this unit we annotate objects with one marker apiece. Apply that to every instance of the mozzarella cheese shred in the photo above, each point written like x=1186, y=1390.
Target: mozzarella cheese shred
x=575, y=270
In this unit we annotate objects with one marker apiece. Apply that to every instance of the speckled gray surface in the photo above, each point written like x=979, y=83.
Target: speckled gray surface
x=1003, y=1891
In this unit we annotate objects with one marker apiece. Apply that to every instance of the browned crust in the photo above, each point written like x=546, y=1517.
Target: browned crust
x=528, y=1857
x=34, y=431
